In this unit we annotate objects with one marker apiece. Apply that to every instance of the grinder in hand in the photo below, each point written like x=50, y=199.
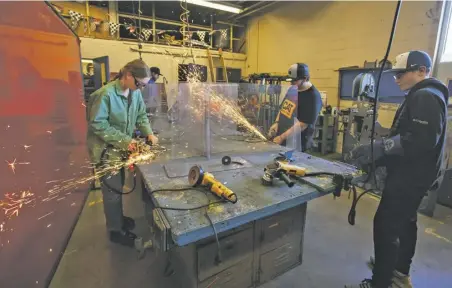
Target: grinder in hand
x=197, y=177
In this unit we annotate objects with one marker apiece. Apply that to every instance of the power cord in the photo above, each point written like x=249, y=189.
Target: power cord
x=374, y=115
x=218, y=258
x=356, y=198
x=103, y=179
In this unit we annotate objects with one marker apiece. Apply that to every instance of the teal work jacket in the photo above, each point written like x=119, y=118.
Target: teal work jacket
x=112, y=120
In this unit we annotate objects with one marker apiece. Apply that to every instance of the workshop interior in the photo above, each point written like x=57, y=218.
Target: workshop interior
x=221, y=200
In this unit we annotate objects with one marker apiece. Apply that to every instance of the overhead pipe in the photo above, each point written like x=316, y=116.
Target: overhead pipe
x=251, y=11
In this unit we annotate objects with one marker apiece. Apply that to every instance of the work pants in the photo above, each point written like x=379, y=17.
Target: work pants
x=113, y=201
x=395, y=230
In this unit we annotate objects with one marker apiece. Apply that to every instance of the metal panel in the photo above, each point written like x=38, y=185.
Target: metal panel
x=279, y=260
x=277, y=230
x=234, y=248
x=238, y=276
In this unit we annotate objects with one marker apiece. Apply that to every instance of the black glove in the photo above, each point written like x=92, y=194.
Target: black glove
x=361, y=156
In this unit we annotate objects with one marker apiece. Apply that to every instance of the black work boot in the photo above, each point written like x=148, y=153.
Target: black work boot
x=124, y=237
x=128, y=223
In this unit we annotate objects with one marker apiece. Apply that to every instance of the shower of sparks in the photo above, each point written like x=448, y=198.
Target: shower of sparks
x=14, y=202
x=219, y=105
x=26, y=147
x=112, y=168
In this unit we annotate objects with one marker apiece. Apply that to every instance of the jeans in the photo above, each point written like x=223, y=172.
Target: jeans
x=395, y=230
x=113, y=201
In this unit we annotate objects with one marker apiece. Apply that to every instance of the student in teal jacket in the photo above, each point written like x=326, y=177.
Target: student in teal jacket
x=114, y=112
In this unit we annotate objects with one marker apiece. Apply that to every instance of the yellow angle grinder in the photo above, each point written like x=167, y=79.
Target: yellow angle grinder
x=197, y=177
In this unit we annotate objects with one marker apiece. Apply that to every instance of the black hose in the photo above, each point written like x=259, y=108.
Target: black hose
x=103, y=179
x=356, y=198
x=374, y=116
x=114, y=190
x=218, y=257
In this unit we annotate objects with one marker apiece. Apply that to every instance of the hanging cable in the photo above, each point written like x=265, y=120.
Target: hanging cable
x=138, y=34
x=374, y=115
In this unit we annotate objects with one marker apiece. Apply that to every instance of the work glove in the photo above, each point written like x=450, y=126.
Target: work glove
x=153, y=139
x=138, y=147
x=273, y=130
x=361, y=156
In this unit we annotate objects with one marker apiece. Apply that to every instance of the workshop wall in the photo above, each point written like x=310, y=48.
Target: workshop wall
x=331, y=35
x=166, y=58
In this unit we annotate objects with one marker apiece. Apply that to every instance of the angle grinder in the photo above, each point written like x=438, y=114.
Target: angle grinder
x=197, y=177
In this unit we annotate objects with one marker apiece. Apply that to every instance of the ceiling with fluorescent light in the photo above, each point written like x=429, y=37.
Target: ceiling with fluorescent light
x=199, y=15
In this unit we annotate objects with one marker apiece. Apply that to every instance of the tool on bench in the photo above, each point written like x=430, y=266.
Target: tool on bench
x=226, y=160
x=197, y=177
x=281, y=170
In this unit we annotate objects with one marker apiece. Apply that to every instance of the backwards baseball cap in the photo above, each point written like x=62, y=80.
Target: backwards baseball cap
x=298, y=71
x=410, y=61
x=156, y=70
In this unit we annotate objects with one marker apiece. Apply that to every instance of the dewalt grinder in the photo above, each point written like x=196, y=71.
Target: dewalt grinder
x=197, y=177
x=281, y=170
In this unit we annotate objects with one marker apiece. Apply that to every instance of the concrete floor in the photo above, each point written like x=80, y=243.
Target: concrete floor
x=334, y=252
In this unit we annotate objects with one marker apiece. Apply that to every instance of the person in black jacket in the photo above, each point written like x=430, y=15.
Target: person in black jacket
x=412, y=154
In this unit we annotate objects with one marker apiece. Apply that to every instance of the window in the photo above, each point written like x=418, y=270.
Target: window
x=447, y=53
x=125, y=33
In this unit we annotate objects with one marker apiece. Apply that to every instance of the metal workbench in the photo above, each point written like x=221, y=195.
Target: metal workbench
x=260, y=236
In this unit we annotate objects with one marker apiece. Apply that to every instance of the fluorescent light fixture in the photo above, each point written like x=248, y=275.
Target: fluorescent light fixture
x=214, y=5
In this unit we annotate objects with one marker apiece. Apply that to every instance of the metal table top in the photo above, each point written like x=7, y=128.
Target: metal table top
x=255, y=201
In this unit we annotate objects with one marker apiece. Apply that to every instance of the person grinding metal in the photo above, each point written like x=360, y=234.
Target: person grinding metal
x=412, y=155
x=299, y=110
x=114, y=112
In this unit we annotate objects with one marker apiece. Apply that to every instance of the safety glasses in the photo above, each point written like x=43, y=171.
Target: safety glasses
x=138, y=83
x=400, y=74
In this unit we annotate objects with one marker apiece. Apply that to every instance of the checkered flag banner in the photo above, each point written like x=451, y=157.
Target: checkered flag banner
x=75, y=18
x=106, y=26
x=202, y=35
x=145, y=34
x=94, y=23
x=114, y=27
x=224, y=33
